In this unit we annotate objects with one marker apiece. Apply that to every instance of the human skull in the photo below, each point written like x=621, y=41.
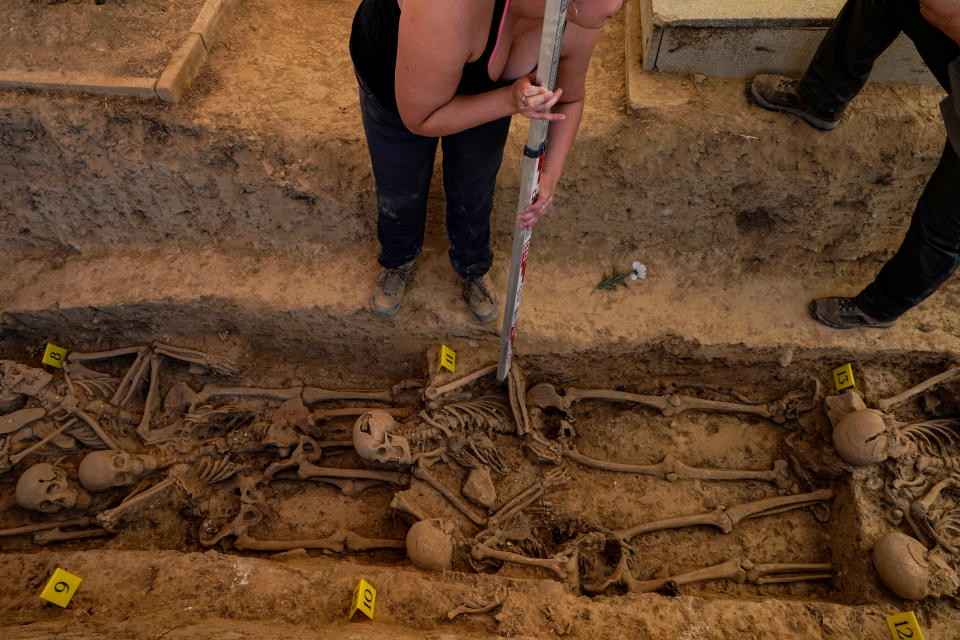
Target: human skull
x=17, y=381
x=910, y=571
x=376, y=445
x=861, y=437
x=430, y=545
x=104, y=470
x=46, y=488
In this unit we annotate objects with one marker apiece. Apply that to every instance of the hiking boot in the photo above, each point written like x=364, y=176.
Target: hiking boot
x=388, y=293
x=483, y=304
x=844, y=313
x=779, y=93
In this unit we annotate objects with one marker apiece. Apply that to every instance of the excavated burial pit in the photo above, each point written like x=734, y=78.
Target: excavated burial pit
x=611, y=431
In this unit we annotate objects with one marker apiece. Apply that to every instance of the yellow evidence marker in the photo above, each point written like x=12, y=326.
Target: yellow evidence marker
x=447, y=359
x=61, y=588
x=904, y=626
x=364, y=597
x=843, y=377
x=54, y=355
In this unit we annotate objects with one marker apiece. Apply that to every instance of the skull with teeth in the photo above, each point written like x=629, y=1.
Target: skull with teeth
x=18, y=381
x=46, y=488
x=376, y=445
x=104, y=470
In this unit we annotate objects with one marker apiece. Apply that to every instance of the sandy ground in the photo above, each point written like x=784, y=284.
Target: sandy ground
x=241, y=222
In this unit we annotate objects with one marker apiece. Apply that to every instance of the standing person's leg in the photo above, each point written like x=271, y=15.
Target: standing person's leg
x=930, y=252
x=402, y=168
x=840, y=67
x=471, y=160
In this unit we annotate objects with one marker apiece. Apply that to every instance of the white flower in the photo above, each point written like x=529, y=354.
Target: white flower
x=636, y=265
x=640, y=270
x=633, y=276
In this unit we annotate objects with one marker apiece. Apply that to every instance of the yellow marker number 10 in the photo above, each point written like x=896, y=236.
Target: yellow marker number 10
x=904, y=626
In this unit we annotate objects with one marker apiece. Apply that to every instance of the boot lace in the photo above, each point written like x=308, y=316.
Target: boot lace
x=476, y=290
x=392, y=281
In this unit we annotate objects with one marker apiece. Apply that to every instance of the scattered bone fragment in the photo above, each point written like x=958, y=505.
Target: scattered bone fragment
x=13, y=422
x=430, y=545
x=527, y=497
x=46, y=488
x=840, y=405
x=432, y=393
x=912, y=572
x=888, y=403
x=473, y=605
x=670, y=468
x=479, y=488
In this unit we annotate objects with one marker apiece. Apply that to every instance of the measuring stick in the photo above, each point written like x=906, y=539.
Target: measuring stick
x=554, y=19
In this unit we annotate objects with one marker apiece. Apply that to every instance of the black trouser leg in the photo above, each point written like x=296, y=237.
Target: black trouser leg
x=402, y=168
x=930, y=252
x=471, y=160
x=860, y=33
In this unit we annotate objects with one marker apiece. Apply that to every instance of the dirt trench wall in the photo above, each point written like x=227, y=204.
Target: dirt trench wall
x=713, y=180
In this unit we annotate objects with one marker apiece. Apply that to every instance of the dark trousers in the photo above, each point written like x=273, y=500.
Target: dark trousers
x=930, y=252
x=403, y=167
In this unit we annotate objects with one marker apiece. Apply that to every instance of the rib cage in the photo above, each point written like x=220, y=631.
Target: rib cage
x=934, y=437
x=491, y=412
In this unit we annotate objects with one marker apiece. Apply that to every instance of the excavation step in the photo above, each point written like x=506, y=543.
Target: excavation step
x=299, y=303
x=737, y=39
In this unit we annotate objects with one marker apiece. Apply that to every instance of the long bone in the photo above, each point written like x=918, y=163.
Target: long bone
x=887, y=403
x=20, y=455
x=76, y=411
x=216, y=364
x=58, y=535
x=671, y=469
x=143, y=429
x=726, y=518
x=341, y=540
x=420, y=473
x=561, y=565
x=134, y=375
x=734, y=569
x=432, y=393
x=109, y=518
x=46, y=526
x=544, y=396
x=309, y=395
x=525, y=498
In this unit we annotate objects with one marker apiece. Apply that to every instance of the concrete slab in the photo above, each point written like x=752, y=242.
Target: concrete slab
x=739, y=40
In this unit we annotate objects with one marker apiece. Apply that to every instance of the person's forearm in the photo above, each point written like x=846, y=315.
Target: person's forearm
x=560, y=140
x=464, y=112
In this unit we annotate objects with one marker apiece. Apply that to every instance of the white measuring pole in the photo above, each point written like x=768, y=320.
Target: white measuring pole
x=554, y=19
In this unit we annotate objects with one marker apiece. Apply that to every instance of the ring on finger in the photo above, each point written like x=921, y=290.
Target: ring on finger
x=523, y=101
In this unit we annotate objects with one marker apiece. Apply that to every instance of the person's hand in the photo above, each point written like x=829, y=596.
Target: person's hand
x=534, y=101
x=534, y=211
x=944, y=15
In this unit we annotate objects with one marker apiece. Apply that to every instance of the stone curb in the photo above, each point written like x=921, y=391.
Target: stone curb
x=213, y=15
x=183, y=67
x=87, y=83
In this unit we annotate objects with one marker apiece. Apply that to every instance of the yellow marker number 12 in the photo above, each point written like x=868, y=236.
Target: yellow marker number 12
x=904, y=626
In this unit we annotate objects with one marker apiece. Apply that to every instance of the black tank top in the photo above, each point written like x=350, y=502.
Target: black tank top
x=373, y=48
